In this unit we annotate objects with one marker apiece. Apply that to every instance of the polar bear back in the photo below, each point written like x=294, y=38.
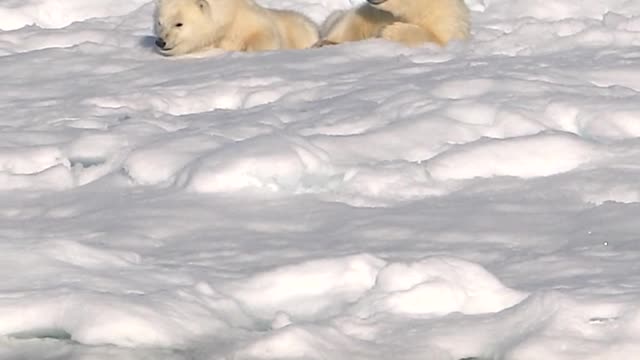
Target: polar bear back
x=297, y=31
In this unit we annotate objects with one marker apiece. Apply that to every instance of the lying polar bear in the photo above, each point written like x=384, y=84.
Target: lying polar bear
x=186, y=26
x=411, y=22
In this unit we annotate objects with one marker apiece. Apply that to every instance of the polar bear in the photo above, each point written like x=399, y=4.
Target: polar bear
x=411, y=22
x=186, y=26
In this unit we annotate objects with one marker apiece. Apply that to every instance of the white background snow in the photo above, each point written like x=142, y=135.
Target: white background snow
x=363, y=201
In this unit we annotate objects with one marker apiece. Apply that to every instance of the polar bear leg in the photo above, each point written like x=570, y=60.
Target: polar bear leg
x=298, y=31
x=324, y=42
x=361, y=23
x=260, y=41
x=408, y=34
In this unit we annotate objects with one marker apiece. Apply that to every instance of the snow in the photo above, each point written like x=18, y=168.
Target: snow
x=360, y=201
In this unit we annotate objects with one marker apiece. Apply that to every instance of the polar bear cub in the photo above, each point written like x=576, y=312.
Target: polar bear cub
x=186, y=26
x=411, y=22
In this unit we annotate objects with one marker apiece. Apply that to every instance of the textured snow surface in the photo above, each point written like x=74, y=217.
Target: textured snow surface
x=362, y=201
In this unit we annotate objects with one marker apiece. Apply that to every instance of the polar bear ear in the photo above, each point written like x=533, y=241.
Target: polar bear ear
x=203, y=4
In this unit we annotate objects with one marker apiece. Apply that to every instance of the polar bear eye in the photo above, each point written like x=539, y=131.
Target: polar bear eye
x=179, y=25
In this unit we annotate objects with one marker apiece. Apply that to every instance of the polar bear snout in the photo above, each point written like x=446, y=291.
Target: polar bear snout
x=376, y=2
x=160, y=43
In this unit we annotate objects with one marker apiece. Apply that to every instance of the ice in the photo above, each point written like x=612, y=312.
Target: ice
x=365, y=201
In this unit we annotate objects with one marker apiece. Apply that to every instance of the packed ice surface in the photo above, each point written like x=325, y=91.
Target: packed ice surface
x=361, y=201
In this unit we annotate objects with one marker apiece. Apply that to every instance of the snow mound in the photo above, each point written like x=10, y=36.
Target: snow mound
x=302, y=342
x=93, y=319
x=541, y=9
x=55, y=14
x=54, y=178
x=31, y=160
x=530, y=156
x=271, y=163
x=436, y=287
x=313, y=289
x=357, y=285
x=317, y=289
x=161, y=160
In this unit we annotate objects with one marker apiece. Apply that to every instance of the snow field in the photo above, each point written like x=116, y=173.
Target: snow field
x=318, y=308
x=363, y=201
x=355, y=287
x=327, y=154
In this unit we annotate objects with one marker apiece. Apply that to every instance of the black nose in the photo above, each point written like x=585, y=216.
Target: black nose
x=160, y=43
x=376, y=2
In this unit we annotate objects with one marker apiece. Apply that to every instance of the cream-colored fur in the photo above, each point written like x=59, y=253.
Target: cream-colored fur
x=411, y=22
x=186, y=26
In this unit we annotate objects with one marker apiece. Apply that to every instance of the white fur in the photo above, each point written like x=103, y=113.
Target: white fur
x=411, y=22
x=234, y=25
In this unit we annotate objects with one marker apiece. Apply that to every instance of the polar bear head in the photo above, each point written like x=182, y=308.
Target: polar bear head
x=185, y=26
